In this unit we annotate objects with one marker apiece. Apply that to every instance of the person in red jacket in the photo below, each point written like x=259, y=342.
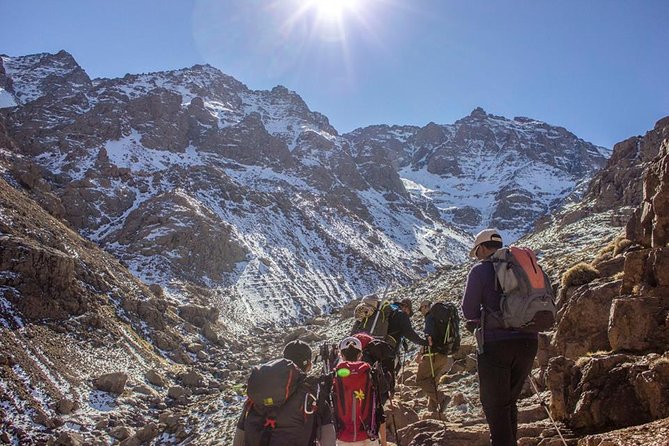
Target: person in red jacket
x=358, y=412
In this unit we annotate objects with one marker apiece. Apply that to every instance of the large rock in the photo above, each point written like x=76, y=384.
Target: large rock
x=609, y=391
x=111, y=382
x=198, y=315
x=640, y=323
x=192, y=379
x=45, y=277
x=436, y=432
x=582, y=327
x=69, y=439
x=155, y=378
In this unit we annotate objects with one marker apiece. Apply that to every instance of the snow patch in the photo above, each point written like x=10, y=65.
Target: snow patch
x=6, y=99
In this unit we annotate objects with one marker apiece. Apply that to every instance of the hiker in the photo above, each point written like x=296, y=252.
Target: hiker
x=399, y=325
x=356, y=402
x=504, y=355
x=386, y=321
x=377, y=351
x=304, y=416
x=433, y=361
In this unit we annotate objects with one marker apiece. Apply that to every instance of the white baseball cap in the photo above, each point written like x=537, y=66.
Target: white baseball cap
x=350, y=342
x=487, y=235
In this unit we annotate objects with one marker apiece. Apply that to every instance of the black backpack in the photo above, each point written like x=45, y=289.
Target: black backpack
x=446, y=335
x=281, y=405
x=381, y=356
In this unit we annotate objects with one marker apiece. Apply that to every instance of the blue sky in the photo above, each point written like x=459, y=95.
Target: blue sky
x=597, y=67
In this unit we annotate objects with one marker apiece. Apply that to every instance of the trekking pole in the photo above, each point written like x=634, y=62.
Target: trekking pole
x=434, y=383
x=383, y=301
x=403, y=359
x=545, y=406
x=392, y=415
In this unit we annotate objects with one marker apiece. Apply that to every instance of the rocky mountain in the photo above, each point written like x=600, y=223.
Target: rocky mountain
x=488, y=171
x=89, y=354
x=254, y=202
x=204, y=186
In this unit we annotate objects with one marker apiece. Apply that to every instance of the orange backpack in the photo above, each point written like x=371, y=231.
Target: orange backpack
x=527, y=297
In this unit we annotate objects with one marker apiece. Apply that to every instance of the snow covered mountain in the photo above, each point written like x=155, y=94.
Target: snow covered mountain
x=251, y=201
x=488, y=171
x=198, y=183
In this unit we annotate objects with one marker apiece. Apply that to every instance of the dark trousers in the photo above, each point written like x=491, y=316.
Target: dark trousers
x=503, y=368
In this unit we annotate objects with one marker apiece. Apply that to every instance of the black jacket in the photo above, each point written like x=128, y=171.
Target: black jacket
x=399, y=326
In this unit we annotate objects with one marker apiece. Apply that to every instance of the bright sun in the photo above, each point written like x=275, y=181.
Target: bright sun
x=333, y=9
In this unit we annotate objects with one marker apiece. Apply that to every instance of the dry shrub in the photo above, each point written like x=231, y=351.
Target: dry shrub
x=579, y=274
x=621, y=245
x=605, y=253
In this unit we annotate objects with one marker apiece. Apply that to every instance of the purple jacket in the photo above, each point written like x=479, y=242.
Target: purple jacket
x=482, y=290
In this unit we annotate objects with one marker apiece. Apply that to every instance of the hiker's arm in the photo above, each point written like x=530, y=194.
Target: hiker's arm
x=473, y=297
x=409, y=333
x=328, y=436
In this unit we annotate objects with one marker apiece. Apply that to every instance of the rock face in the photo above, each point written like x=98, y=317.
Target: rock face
x=610, y=391
x=198, y=183
x=613, y=334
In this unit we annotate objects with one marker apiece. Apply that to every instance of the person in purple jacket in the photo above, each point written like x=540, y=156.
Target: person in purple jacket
x=505, y=356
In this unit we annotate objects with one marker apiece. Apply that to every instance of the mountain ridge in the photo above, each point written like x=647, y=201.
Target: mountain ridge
x=275, y=193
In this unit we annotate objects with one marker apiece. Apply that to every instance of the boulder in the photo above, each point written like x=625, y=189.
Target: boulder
x=191, y=379
x=145, y=390
x=634, y=270
x=198, y=315
x=658, y=260
x=147, y=433
x=640, y=323
x=582, y=323
x=178, y=392
x=194, y=347
x=111, y=382
x=120, y=432
x=609, y=391
x=210, y=334
x=436, y=432
x=65, y=406
x=155, y=378
x=69, y=439
x=399, y=415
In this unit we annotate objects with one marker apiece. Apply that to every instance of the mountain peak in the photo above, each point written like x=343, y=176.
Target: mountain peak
x=478, y=112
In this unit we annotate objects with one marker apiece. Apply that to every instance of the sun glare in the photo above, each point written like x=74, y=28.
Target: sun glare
x=333, y=9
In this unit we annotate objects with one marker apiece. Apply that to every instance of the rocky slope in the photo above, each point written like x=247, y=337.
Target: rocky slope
x=253, y=201
x=89, y=354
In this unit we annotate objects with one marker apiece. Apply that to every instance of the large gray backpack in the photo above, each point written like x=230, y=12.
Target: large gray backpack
x=527, y=301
